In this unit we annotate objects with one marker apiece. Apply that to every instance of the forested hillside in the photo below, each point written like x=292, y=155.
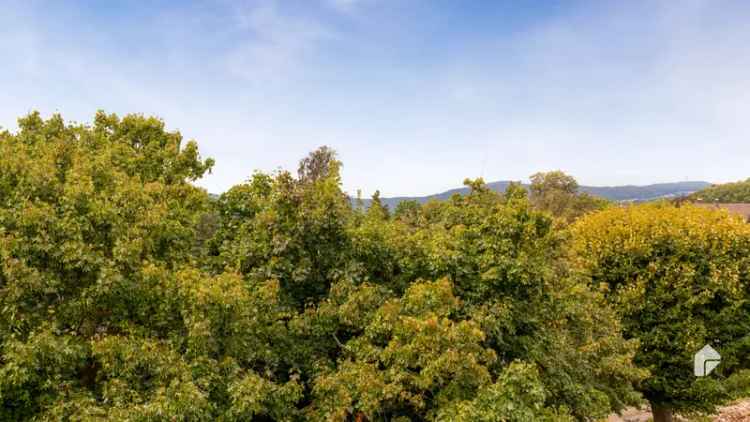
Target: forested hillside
x=727, y=193
x=629, y=193
x=126, y=293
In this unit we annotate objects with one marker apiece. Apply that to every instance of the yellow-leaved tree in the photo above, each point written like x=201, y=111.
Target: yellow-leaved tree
x=679, y=277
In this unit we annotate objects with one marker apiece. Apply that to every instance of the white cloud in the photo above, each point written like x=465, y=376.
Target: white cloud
x=275, y=43
x=644, y=93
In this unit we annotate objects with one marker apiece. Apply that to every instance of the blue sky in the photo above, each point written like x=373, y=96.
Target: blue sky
x=415, y=95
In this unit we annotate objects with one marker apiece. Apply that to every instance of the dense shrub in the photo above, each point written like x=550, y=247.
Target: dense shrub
x=679, y=278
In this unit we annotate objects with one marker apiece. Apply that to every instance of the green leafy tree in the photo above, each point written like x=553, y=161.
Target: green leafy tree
x=291, y=230
x=502, y=268
x=515, y=191
x=377, y=208
x=87, y=216
x=680, y=279
x=727, y=193
x=557, y=193
x=103, y=315
x=127, y=293
x=507, y=265
x=318, y=165
x=418, y=360
x=408, y=211
x=517, y=395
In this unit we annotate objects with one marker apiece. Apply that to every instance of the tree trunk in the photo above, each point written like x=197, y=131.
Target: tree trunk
x=360, y=417
x=661, y=414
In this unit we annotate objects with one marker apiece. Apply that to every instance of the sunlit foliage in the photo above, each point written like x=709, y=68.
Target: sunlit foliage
x=127, y=293
x=727, y=192
x=679, y=278
x=558, y=194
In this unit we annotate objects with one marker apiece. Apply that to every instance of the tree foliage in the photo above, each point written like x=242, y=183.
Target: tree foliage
x=727, y=192
x=558, y=194
x=679, y=278
x=127, y=293
x=92, y=220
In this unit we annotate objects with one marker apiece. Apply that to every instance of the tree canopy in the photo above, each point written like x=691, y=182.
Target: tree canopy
x=680, y=279
x=96, y=226
x=558, y=193
x=727, y=193
x=128, y=293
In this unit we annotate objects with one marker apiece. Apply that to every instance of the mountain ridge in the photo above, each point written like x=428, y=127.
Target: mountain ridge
x=617, y=193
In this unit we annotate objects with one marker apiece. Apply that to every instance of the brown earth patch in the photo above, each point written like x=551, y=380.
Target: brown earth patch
x=736, y=412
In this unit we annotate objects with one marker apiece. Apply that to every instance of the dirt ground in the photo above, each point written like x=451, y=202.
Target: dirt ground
x=737, y=412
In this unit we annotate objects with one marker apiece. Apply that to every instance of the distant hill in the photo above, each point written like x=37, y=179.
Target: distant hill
x=627, y=193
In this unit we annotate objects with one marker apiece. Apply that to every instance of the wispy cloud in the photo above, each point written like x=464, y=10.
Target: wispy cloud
x=274, y=43
x=631, y=92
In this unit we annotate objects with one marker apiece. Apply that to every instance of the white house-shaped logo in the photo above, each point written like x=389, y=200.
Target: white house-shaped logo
x=706, y=360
